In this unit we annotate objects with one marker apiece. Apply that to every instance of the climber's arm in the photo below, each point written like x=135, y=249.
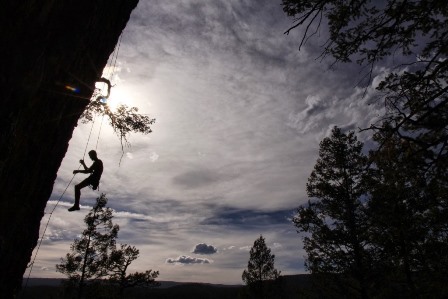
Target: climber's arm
x=86, y=169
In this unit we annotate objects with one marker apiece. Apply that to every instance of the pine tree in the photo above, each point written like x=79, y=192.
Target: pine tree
x=119, y=261
x=89, y=256
x=260, y=267
x=407, y=211
x=334, y=220
x=95, y=256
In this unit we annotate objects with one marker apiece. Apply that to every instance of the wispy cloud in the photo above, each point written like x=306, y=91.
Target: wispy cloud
x=244, y=219
x=239, y=116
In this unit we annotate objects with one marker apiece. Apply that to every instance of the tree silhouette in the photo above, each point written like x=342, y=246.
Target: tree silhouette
x=408, y=209
x=89, y=256
x=260, y=267
x=415, y=93
x=95, y=255
x=119, y=261
x=407, y=228
x=123, y=120
x=334, y=220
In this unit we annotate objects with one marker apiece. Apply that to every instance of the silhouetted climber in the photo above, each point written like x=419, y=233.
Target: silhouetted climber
x=93, y=180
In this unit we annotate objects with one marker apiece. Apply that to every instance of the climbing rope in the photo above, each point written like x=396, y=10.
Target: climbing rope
x=99, y=133
x=31, y=265
x=88, y=139
x=112, y=62
x=45, y=229
x=116, y=55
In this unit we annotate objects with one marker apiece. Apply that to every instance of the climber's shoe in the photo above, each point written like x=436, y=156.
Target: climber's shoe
x=74, y=208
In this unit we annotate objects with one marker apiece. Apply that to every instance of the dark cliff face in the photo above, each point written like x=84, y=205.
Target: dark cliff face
x=44, y=46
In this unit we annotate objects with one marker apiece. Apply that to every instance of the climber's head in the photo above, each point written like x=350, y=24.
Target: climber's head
x=92, y=155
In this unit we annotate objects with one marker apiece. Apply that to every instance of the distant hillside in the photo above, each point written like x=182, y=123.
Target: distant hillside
x=55, y=282
x=32, y=282
x=289, y=288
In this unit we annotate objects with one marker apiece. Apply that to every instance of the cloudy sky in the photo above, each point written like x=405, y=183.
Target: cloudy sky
x=239, y=115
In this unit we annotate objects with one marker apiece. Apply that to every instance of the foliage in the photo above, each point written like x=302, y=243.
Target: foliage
x=260, y=267
x=416, y=93
x=406, y=227
x=120, y=260
x=123, y=120
x=375, y=30
x=89, y=258
x=95, y=257
x=375, y=226
x=335, y=221
x=408, y=209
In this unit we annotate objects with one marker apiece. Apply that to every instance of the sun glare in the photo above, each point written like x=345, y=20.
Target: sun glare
x=118, y=96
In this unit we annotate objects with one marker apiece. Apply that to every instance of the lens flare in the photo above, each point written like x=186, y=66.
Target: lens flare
x=103, y=100
x=72, y=88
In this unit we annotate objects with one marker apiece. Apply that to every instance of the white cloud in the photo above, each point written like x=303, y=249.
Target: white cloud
x=276, y=245
x=246, y=248
x=321, y=114
x=153, y=156
x=183, y=259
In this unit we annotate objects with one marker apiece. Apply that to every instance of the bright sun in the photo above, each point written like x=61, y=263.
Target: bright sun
x=118, y=96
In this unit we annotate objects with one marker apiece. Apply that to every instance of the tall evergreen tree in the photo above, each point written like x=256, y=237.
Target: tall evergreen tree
x=260, y=267
x=406, y=228
x=334, y=220
x=95, y=256
x=409, y=207
x=89, y=254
